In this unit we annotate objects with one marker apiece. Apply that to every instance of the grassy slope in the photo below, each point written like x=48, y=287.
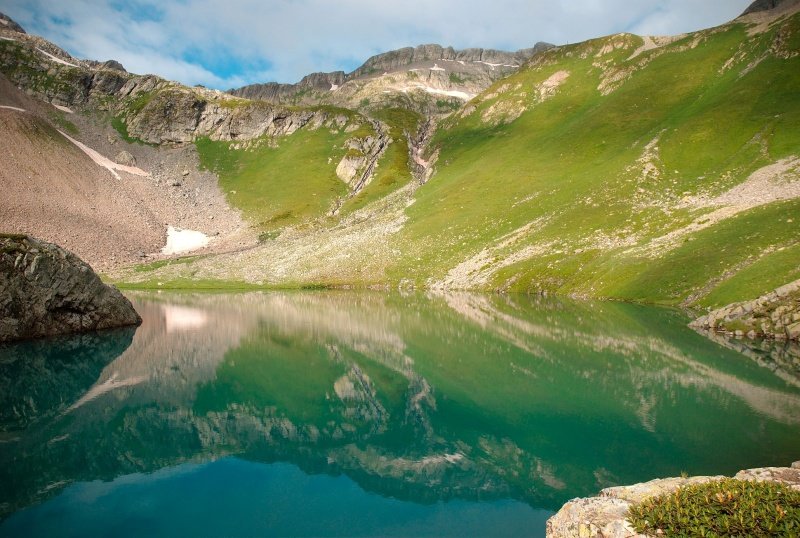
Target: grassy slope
x=568, y=160
x=275, y=187
x=295, y=182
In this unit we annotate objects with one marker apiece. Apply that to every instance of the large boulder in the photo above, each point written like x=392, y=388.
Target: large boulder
x=45, y=291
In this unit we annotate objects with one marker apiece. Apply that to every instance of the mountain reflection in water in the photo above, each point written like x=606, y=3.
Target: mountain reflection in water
x=420, y=398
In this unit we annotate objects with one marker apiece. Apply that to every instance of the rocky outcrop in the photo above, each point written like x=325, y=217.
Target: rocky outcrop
x=176, y=114
x=775, y=315
x=45, y=291
x=113, y=64
x=9, y=24
x=125, y=158
x=605, y=516
x=357, y=166
x=763, y=5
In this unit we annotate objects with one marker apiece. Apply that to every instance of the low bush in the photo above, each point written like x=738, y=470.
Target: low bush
x=725, y=507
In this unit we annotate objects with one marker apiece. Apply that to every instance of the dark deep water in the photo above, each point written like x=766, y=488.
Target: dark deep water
x=351, y=414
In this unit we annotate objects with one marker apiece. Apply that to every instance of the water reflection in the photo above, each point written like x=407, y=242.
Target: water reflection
x=419, y=397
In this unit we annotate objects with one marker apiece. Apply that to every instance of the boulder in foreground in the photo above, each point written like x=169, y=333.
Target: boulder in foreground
x=46, y=290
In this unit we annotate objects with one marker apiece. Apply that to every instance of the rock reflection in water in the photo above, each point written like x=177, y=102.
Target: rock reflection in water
x=420, y=397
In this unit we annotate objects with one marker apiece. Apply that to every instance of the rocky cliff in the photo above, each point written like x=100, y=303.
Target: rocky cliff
x=153, y=110
x=45, y=291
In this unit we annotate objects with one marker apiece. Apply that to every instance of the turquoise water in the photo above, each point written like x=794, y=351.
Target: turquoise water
x=370, y=414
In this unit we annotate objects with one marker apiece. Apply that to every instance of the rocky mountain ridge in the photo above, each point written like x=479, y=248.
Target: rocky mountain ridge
x=461, y=74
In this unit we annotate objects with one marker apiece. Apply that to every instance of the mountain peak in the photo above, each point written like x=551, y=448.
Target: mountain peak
x=766, y=5
x=8, y=23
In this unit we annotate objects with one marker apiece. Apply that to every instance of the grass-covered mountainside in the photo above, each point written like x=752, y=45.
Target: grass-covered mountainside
x=657, y=169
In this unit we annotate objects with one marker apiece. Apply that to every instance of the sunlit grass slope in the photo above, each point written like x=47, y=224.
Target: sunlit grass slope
x=612, y=180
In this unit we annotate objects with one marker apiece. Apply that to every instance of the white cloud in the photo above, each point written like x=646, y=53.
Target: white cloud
x=226, y=44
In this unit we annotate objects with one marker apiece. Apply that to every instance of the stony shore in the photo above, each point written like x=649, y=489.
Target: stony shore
x=775, y=315
x=605, y=516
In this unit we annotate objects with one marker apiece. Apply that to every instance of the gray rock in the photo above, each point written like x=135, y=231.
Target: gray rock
x=763, y=5
x=793, y=331
x=9, y=24
x=125, y=158
x=46, y=290
x=113, y=64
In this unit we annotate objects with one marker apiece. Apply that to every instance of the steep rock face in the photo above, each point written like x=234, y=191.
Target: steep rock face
x=764, y=5
x=356, y=168
x=175, y=114
x=45, y=291
x=9, y=24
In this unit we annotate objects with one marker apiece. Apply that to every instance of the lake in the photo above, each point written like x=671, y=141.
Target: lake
x=367, y=413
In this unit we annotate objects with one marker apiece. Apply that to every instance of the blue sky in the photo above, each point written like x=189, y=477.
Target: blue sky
x=224, y=44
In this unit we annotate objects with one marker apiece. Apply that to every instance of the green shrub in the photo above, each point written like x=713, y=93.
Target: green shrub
x=455, y=79
x=725, y=507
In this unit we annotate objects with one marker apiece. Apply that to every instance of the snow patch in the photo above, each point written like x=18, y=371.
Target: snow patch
x=334, y=87
x=7, y=38
x=492, y=66
x=180, y=240
x=105, y=387
x=106, y=163
x=55, y=58
x=13, y=108
x=437, y=68
x=450, y=93
x=62, y=108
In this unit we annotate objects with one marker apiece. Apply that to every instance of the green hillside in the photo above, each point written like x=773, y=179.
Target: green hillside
x=614, y=183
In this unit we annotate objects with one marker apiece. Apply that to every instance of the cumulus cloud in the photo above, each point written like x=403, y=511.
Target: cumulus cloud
x=231, y=43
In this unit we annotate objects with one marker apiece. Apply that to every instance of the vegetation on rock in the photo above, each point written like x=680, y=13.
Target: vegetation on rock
x=725, y=507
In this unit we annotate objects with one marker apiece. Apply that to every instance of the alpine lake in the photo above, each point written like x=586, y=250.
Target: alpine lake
x=343, y=413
